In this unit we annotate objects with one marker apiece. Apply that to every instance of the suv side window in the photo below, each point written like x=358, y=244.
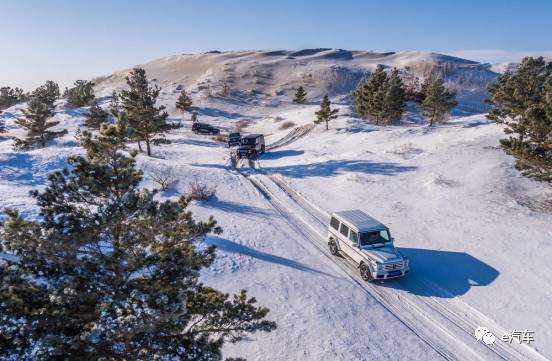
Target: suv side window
x=353, y=236
x=334, y=223
x=344, y=230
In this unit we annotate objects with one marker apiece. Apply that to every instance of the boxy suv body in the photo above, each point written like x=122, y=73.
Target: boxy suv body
x=368, y=243
x=251, y=146
x=234, y=139
x=203, y=128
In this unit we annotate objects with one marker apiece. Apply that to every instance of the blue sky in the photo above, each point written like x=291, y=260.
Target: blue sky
x=66, y=40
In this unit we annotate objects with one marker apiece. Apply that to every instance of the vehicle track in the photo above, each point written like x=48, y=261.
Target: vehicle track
x=447, y=325
x=458, y=316
x=291, y=137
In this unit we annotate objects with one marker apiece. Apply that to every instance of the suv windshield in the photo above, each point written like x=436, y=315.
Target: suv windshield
x=374, y=237
x=248, y=141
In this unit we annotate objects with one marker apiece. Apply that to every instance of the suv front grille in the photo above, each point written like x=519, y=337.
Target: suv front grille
x=393, y=266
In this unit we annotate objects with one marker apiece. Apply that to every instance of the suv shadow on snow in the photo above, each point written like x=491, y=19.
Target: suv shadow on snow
x=444, y=274
x=228, y=246
x=279, y=154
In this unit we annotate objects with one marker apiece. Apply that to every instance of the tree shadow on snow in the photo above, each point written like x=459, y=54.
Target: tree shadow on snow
x=235, y=207
x=23, y=168
x=214, y=112
x=233, y=247
x=444, y=274
x=198, y=142
x=329, y=168
x=336, y=167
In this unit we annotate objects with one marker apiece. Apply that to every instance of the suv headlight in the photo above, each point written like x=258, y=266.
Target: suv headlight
x=377, y=266
x=406, y=262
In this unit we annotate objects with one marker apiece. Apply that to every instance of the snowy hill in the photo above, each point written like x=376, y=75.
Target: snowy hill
x=478, y=235
x=272, y=76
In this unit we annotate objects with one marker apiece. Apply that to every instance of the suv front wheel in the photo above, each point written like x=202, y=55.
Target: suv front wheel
x=365, y=272
x=333, y=248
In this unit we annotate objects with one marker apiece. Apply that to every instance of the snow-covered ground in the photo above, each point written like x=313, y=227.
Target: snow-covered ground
x=478, y=235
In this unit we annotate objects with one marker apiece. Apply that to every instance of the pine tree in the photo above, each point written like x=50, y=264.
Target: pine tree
x=82, y=94
x=395, y=100
x=438, y=101
x=47, y=93
x=521, y=100
x=96, y=117
x=148, y=121
x=114, y=106
x=184, y=102
x=300, y=95
x=358, y=97
x=35, y=121
x=325, y=114
x=107, y=272
x=375, y=101
x=10, y=96
x=369, y=96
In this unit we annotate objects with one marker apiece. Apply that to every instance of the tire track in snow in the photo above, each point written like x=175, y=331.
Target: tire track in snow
x=424, y=316
x=453, y=318
x=291, y=137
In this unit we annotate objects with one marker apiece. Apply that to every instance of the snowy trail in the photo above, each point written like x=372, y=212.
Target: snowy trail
x=447, y=325
x=291, y=137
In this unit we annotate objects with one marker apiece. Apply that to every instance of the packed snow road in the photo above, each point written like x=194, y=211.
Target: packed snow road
x=446, y=325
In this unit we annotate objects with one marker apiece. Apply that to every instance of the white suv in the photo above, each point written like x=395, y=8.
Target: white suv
x=368, y=243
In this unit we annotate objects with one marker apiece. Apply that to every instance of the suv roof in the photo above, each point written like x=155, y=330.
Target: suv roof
x=252, y=136
x=360, y=220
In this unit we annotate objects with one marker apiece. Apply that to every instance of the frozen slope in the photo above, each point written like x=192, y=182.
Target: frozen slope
x=477, y=233
x=321, y=314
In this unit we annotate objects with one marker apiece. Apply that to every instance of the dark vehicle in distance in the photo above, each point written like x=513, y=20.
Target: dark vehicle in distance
x=203, y=128
x=251, y=146
x=234, y=139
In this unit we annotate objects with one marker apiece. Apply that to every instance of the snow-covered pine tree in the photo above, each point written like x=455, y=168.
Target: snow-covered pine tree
x=96, y=117
x=47, y=93
x=107, y=272
x=522, y=101
x=114, y=106
x=300, y=95
x=148, y=121
x=35, y=121
x=184, y=102
x=82, y=94
x=10, y=96
x=394, y=101
x=438, y=101
x=325, y=114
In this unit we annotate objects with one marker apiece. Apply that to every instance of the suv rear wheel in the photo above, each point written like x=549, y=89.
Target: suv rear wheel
x=365, y=272
x=333, y=248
